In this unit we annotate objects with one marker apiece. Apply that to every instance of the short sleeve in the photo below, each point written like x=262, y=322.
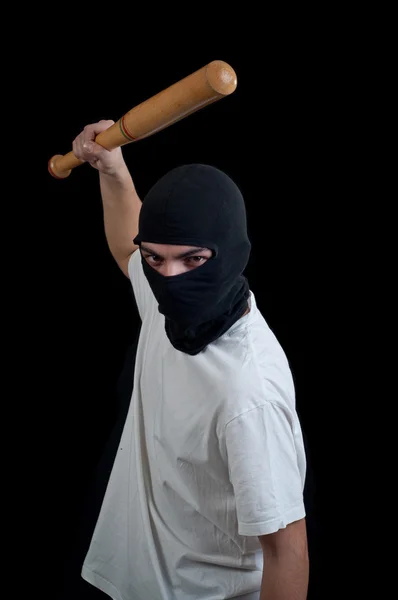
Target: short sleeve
x=143, y=294
x=266, y=464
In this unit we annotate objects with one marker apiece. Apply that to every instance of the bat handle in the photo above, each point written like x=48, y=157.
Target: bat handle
x=60, y=166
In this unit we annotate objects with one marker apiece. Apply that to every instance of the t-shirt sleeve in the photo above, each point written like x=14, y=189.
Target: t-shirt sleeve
x=143, y=294
x=266, y=465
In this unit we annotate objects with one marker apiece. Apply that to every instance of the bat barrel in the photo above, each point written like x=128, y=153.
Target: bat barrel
x=203, y=87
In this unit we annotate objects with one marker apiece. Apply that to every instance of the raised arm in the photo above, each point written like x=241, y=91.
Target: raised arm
x=121, y=204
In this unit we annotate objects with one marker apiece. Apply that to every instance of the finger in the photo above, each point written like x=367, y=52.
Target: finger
x=84, y=146
x=92, y=151
x=91, y=131
x=77, y=147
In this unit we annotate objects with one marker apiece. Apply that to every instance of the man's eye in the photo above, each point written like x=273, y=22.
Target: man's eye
x=196, y=259
x=153, y=258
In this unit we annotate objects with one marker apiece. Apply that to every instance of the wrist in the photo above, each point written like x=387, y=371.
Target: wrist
x=118, y=175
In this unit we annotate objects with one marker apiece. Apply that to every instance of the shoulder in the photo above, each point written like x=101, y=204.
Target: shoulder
x=133, y=263
x=142, y=291
x=255, y=369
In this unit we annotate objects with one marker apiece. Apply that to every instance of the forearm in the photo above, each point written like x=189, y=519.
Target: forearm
x=121, y=206
x=285, y=577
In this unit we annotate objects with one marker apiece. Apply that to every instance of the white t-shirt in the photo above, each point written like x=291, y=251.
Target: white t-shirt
x=210, y=458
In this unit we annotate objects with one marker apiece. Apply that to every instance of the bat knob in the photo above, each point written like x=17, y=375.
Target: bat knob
x=222, y=77
x=54, y=171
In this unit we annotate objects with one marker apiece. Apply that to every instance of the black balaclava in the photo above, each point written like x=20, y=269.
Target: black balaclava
x=198, y=205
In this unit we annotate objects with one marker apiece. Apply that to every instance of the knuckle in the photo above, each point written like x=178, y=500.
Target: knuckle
x=106, y=121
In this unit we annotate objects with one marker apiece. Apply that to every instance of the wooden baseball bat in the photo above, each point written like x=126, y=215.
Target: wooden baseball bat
x=203, y=87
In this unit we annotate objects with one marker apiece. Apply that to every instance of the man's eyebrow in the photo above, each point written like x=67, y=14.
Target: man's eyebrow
x=182, y=255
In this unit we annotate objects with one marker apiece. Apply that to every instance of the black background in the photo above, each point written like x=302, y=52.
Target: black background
x=271, y=136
